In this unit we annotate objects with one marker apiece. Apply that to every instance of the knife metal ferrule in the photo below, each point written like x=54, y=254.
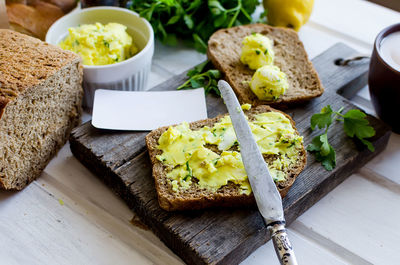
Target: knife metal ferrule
x=282, y=245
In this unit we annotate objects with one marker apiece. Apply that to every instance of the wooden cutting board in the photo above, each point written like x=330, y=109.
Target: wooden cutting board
x=227, y=236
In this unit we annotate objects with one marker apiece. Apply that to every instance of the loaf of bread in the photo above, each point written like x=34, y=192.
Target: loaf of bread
x=34, y=17
x=40, y=102
x=33, y=20
x=224, y=50
x=228, y=195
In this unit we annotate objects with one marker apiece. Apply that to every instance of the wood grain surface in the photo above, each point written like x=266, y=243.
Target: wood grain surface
x=227, y=236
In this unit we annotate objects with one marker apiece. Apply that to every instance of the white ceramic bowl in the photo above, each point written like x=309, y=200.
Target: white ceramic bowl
x=128, y=75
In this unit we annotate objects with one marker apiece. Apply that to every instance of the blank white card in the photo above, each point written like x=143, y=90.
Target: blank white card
x=146, y=110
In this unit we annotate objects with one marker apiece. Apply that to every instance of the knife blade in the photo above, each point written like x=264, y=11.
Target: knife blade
x=268, y=199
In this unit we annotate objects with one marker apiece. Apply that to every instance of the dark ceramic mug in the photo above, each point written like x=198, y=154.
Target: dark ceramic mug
x=384, y=83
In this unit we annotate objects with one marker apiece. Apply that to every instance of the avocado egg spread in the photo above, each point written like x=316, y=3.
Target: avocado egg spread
x=257, y=51
x=269, y=83
x=100, y=44
x=210, y=156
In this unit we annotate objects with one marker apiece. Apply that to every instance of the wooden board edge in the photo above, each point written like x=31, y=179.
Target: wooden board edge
x=104, y=173
x=113, y=181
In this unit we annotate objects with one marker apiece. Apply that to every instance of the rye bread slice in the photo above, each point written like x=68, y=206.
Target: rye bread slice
x=224, y=50
x=226, y=196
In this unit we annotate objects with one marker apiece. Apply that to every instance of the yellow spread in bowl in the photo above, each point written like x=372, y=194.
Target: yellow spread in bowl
x=188, y=155
x=100, y=44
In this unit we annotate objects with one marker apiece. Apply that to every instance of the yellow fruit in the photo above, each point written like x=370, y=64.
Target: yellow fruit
x=288, y=13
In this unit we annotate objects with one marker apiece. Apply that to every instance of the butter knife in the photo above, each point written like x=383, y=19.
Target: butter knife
x=267, y=197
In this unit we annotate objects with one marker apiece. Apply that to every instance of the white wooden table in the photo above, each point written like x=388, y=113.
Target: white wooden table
x=68, y=216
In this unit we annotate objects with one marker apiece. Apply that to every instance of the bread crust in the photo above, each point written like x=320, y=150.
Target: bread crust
x=227, y=196
x=16, y=77
x=224, y=49
x=20, y=70
x=3, y=102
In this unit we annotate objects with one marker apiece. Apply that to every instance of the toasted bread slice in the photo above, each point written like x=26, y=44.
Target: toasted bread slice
x=227, y=196
x=224, y=50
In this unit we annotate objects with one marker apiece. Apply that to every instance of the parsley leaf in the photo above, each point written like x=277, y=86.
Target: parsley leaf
x=315, y=145
x=215, y=73
x=324, y=152
x=356, y=124
x=199, y=76
x=329, y=161
x=323, y=119
x=197, y=81
x=368, y=144
x=198, y=69
x=193, y=21
x=325, y=147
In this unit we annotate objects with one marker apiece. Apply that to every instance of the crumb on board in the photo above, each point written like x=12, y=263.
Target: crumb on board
x=136, y=222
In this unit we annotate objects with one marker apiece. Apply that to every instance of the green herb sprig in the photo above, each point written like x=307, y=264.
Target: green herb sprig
x=202, y=76
x=355, y=124
x=190, y=172
x=193, y=20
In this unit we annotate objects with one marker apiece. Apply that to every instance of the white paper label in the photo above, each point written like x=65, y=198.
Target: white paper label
x=146, y=110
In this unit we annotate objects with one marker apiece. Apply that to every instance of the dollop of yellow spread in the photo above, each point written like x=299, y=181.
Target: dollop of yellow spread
x=100, y=44
x=269, y=83
x=246, y=106
x=257, y=51
x=188, y=158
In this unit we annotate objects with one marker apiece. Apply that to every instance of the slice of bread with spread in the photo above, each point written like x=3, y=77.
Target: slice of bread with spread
x=176, y=192
x=40, y=102
x=224, y=51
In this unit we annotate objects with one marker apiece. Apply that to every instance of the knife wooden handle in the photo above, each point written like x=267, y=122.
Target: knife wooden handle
x=283, y=247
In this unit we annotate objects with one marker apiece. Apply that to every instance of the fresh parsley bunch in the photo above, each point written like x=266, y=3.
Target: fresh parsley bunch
x=202, y=76
x=193, y=20
x=355, y=124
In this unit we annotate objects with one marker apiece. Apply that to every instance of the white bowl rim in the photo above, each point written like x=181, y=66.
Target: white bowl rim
x=134, y=57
